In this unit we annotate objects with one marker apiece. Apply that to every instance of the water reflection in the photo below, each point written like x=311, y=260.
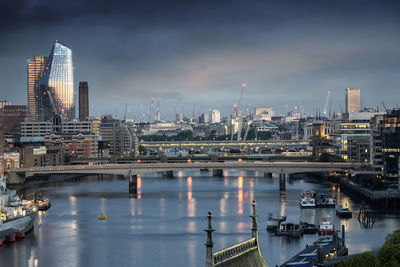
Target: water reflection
x=72, y=201
x=240, y=195
x=139, y=187
x=173, y=220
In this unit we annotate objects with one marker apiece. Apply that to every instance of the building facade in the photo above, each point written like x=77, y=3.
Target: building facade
x=352, y=100
x=35, y=67
x=390, y=132
x=83, y=101
x=55, y=91
x=215, y=116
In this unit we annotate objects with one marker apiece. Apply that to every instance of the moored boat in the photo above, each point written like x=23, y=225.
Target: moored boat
x=307, y=199
x=273, y=221
x=289, y=229
x=42, y=202
x=309, y=228
x=325, y=226
x=344, y=212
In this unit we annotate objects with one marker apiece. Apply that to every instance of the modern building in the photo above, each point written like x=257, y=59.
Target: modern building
x=55, y=90
x=35, y=67
x=263, y=114
x=204, y=118
x=390, y=132
x=352, y=100
x=83, y=101
x=355, y=126
x=118, y=137
x=215, y=116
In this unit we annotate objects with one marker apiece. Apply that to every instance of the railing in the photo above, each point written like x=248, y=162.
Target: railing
x=228, y=253
x=193, y=165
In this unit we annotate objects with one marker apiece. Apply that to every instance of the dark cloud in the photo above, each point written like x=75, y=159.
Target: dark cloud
x=288, y=51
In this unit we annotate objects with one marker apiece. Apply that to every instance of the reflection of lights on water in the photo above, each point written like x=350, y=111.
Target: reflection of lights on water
x=251, y=183
x=132, y=206
x=33, y=261
x=103, y=205
x=240, y=195
x=189, y=185
x=74, y=225
x=243, y=227
x=139, y=187
x=225, y=180
x=191, y=227
x=226, y=173
x=222, y=206
x=180, y=195
x=72, y=202
x=191, y=251
x=162, y=207
x=40, y=222
x=180, y=174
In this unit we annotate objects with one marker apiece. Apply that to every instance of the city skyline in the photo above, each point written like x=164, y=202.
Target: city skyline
x=201, y=53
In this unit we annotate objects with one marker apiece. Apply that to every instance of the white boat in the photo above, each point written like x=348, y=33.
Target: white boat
x=326, y=227
x=273, y=221
x=330, y=202
x=307, y=199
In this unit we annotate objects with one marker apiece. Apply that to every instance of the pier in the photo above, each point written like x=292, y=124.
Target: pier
x=378, y=200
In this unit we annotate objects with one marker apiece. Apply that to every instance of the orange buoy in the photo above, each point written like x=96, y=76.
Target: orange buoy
x=20, y=235
x=10, y=238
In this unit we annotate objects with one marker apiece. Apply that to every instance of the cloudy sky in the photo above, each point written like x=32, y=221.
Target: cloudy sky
x=288, y=52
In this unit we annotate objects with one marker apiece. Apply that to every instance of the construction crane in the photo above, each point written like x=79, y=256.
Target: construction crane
x=240, y=98
x=384, y=106
x=176, y=115
x=183, y=113
x=194, y=107
x=326, y=103
x=157, y=116
x=126, y=107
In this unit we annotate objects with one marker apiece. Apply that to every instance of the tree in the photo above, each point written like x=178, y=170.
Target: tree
x=367, y=259
x=142, y=150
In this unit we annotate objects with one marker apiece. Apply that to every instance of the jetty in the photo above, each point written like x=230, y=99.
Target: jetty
x=377, y=199
x=320, y=252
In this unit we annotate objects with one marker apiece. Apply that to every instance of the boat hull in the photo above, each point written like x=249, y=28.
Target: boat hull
x=23, y=224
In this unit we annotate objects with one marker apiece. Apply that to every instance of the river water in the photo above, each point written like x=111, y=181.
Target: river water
x=164, y=225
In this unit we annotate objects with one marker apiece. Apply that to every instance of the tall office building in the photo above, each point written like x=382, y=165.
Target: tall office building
x=215, y=116
x=55, y=92
x=35, y=67
x=352, y=100
x=83, y=100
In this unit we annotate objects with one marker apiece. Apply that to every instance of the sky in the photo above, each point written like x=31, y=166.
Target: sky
x=288, y=52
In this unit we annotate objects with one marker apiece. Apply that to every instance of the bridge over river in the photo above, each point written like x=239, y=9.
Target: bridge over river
x=132, y=170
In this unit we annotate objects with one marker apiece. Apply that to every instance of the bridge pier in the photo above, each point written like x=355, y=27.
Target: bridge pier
x=218, y=172
x=267, y=174
x=168, y=174
x=132, y=186
x=282, y=181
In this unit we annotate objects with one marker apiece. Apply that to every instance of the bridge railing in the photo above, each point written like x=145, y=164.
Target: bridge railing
x=191, y=165
x=235, y=250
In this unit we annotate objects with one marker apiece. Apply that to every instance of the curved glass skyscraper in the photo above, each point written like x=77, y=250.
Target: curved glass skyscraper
x=55, y=91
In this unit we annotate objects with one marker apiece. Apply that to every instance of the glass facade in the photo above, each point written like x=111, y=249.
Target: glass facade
x=55, y=92
x=35, y=67
x=390, y=130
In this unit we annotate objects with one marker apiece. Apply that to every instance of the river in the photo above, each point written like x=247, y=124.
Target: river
x=164, y=225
